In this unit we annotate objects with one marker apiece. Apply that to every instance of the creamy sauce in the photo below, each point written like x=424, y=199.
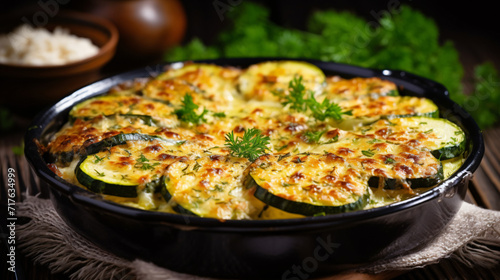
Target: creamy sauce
x=216, y=92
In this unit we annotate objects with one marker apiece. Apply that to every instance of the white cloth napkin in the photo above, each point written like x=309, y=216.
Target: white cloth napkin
x=471, y=237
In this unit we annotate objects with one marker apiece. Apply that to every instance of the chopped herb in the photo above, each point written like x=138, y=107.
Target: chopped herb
x=314, y=136
x=280, y=157
x=282, y=147
x=332, y=140
x=368, y=153
x=142, y=158
x=98, y=159
x=374, y=140
x=428, y=131
x=218, y=188
x=389, y=160
x=146, y=166
x=297, y=160
x=100, y=174
x=142, y=163
x=196, y=166
x=180, y=143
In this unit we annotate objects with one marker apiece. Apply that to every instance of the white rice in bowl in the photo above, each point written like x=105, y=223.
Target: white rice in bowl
x=27, y=45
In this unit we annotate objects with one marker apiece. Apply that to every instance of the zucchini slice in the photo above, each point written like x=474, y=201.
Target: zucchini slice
x=192, y=71
x=309, y=184
x=408, y=106
x=338, y=88
x=366, y=110
x=451, y=165
x=379, y=158
x=443, y=138
x=390, y=107
x=210, y=85
x=149, y=111
x=260, y=80
x=212, y=186
x=119, y=104
x=125, y=164
x=407, y=183
x=68, y=142
x=123, y=138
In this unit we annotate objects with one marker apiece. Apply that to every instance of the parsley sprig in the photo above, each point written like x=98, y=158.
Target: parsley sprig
x=251, y=145
x=187, y=112
x=296, y=99
x=326, y=109
x=300, y=100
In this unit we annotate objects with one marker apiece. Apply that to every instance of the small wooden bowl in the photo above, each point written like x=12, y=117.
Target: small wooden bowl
x=27, y=89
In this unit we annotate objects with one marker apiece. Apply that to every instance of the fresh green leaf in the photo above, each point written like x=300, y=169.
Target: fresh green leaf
x=296, y=98
x=298, y=101
x=252, y=145
x=406, y=40
x=326, y=109
x=187, y=113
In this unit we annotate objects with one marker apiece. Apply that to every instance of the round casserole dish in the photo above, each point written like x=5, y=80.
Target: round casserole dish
x=320, y=246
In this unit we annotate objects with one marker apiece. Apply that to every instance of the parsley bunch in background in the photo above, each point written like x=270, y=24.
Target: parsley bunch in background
x=406, y=40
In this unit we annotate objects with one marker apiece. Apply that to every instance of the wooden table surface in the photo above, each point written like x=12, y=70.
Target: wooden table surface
x=484, y=188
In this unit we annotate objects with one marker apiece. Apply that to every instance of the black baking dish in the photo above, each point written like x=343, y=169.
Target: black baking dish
x=313, y=246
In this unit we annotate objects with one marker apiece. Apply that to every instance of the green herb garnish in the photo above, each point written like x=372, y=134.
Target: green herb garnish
x=389, y=160
x=142, y=158
x=298, y=101
x=251, y=145
x=98, y=159
x=187, y=113
x=326, y=109
x=368, y=153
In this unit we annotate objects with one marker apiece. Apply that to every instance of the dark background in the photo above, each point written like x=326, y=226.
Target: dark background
x=477, y=17
x=471, y=25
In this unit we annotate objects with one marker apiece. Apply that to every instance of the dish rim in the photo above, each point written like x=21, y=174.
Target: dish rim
x=44, y=121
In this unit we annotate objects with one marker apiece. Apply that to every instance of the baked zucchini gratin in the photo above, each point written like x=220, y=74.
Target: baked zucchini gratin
x=276, y=140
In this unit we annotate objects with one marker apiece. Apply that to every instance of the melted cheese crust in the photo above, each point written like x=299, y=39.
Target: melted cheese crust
x=213, y=186
x=245, y=97
x=324, y=180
